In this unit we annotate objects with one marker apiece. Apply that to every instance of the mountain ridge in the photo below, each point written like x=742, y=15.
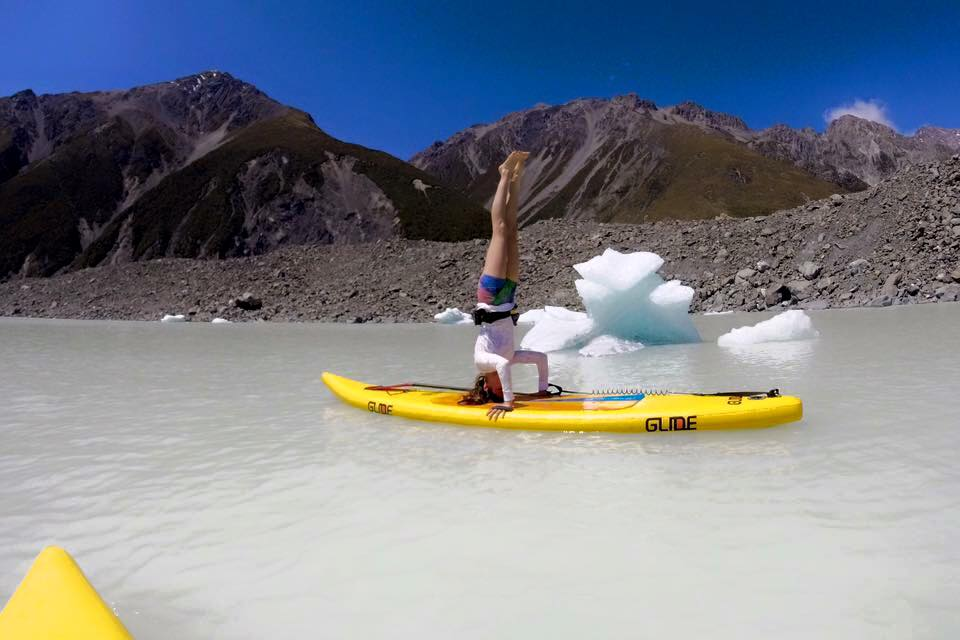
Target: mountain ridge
x=615, y=159
x=75, y=168
x=851, y=155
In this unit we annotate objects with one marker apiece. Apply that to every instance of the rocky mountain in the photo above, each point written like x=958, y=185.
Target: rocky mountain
x=202, y=166
x=897, y=243
x=624, y=159
x=853, y=152
x=173, y=122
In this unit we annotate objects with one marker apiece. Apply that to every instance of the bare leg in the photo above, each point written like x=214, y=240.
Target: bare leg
x=503, y=234
x=513, y=205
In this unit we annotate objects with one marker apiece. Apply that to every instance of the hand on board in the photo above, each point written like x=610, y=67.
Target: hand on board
x=498, y=410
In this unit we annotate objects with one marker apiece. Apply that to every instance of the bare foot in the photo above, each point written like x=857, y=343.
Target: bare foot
x=518, y=168
x=509, y=165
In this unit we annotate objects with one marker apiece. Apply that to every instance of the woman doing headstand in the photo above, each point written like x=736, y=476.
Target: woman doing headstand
x=496, y=313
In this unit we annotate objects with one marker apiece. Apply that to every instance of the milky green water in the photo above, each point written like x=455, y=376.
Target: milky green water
x=210, y=487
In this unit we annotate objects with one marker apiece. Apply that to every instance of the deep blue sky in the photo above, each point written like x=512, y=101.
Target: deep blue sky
x=399, y=75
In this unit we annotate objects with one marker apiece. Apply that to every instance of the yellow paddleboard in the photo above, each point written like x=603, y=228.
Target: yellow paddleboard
x=628, y=412
x=56, y=602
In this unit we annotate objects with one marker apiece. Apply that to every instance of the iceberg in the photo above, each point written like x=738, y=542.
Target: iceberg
x=625, y=299
x=173, y=318
x=220, y=321
x=453, y=316
x=787, y=326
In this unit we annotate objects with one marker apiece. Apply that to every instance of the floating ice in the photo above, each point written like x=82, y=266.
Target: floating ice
x=220, y=321
x=558, y=329
x=609, y=346
x=453, y=316
x=789, y=325
x=531, y=317
x=173, y=318
x=625, y=298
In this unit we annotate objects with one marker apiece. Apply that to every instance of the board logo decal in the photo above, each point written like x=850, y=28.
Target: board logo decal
x=672, y=423
x=380, y=407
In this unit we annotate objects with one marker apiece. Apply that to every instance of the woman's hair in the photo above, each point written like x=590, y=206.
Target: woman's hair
x=480, y=394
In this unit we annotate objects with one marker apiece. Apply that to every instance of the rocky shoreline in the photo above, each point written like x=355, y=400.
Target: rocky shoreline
x=896, y=243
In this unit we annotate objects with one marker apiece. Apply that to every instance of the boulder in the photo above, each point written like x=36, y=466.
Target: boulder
x=248, y=302
x=951, y=293
x=810, y=270
x=890, y=288
x=776, y=294
x=799, y=288
x=824, y=284
x=860, y=264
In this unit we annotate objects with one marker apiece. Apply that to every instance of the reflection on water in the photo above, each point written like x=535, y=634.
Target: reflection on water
x=792, y=355
x=211, y=488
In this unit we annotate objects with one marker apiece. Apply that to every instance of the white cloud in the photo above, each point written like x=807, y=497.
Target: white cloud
x=872, y=109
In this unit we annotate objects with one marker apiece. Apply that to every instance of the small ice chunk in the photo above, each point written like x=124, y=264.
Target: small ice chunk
x=220, y=321
x=789, y=325
x=174, y=318
x=608, y=346
x=452, y=315
x=558, y=329
x=531, y=317
x=717, y=313
x=562, y=313
x=672, y=292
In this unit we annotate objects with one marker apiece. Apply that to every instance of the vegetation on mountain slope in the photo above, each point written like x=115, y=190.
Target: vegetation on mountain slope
x=200, y=211
x=705, y=176
x=40, y=210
